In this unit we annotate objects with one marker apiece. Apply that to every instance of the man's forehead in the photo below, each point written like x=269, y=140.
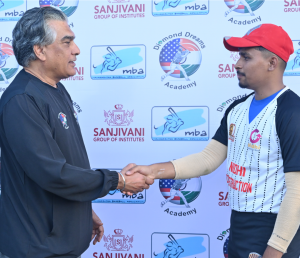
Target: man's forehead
x=61, y=28
x=247, y=50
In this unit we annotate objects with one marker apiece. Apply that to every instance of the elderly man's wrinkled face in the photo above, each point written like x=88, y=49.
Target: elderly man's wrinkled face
x=61, y=55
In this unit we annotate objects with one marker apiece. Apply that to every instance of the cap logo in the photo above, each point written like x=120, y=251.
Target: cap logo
x=253, y=29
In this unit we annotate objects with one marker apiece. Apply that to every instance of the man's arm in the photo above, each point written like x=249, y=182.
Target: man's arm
x=288, y=219
x=194, y=165
x=30, y=139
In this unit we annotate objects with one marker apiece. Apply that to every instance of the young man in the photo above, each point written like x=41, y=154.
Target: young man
x=260, y=137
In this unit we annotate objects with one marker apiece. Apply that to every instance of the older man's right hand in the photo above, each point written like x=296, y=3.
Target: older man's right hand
x=134, y=183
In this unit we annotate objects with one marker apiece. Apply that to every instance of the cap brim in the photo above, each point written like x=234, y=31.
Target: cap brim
x=233, y=43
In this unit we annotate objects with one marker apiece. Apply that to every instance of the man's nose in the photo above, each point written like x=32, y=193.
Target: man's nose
x=238, y=64
x=76, y=50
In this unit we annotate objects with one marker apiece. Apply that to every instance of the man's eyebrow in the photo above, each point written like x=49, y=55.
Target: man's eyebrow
x=243, y=53
x=68, y=38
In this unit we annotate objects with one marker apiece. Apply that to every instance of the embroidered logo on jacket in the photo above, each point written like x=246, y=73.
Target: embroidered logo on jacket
x=63, y=118
x=254, y=138
x=231, y=132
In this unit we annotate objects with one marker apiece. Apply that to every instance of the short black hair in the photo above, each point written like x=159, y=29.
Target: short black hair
x=267, y=53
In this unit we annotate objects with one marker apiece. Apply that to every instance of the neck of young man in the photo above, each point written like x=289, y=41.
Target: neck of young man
x=267, y=89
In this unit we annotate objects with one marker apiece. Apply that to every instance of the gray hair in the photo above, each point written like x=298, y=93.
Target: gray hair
x=33, y=29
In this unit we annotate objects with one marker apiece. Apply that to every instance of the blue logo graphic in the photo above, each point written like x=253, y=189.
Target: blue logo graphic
x=111, y=62
x=180, y=124
x=173, y=122
x=293, y=65
x=165, y=245
x=117, y=197
x=118, y=62
x=12, y=10
x=179, y=7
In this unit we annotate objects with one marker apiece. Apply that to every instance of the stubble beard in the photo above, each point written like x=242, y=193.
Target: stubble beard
x=243, y=85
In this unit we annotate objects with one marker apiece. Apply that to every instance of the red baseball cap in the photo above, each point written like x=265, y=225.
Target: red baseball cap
x=269, y=36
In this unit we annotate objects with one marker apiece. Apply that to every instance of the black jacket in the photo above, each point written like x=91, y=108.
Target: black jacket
x=47, y=183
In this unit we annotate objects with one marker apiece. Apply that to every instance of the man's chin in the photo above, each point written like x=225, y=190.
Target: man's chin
x=71, y=73
x=243, y=86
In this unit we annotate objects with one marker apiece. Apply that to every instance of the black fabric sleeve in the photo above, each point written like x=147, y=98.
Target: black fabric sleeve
x=221, y=134
x=29, y=136
x=288, y=129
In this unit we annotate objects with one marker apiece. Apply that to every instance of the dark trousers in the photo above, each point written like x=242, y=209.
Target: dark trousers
x=250, y=232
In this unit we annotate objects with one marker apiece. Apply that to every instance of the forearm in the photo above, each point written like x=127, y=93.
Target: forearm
x=202, y=163
x=163, y=170
x=194, y=165
x=77, y=184
x=288, y=219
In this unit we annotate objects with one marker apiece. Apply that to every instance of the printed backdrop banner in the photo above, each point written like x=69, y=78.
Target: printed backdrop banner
x=153, y=82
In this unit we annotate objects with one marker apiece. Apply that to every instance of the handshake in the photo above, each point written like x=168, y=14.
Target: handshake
x=134, y=179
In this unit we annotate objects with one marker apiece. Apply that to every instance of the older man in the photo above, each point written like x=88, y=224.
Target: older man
x=47, y=183
x=260, y=136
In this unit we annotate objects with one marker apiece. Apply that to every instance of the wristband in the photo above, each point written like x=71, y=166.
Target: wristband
x=124, y=182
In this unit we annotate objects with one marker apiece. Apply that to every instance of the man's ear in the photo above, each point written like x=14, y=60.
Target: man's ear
x=273, y=63
x=39, y=52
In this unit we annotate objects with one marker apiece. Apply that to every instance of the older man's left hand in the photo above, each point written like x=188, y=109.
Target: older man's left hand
x=98, y=229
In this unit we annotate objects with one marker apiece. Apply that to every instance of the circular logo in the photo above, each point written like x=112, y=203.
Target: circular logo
x=180, y=58
x=68, y=7
x=180, y=191
x=8, y=63
x=225, y=247
x=243, y=6
x=255, y=136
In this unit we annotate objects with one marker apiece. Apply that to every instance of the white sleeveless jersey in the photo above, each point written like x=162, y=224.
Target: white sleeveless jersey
x=255, y=163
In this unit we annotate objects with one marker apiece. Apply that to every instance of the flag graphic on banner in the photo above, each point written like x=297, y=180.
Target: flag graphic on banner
x=67, y=7
x=225, y=248
x=190, y=63
x=254, y=5
x=240, y=9
x=190, y=190
x=44, y=3
x=8, y=63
